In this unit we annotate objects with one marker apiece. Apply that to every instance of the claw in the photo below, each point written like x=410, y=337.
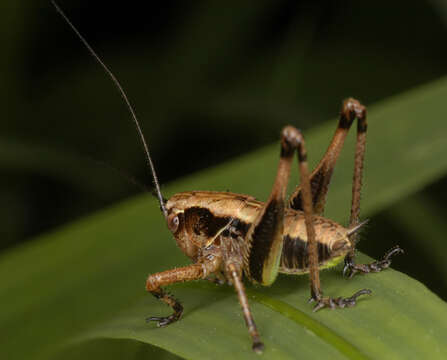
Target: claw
x=258, y=347
x=319, y=306
x=162, y=321
x=347, y=269
x=360, y=293
x=394, y=251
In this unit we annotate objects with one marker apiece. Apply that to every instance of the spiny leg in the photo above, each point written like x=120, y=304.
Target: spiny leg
x=360, y=148
x=314, y=274
x=235, y=275
x=350, y=268
x=321, y=175
x=315, y=286
x=156, y=281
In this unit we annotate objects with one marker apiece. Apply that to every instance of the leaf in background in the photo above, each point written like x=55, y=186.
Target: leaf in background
x=86, y=281
x=423, y=222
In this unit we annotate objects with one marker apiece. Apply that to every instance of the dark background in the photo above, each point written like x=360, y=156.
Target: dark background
x=209, y=80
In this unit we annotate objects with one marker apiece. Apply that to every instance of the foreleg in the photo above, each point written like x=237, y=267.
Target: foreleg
x=155, y=282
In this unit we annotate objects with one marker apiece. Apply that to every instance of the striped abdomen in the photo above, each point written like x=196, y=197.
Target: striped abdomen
x=332, y=243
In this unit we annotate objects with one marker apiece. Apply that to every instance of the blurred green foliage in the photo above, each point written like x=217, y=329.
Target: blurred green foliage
x=210, y=81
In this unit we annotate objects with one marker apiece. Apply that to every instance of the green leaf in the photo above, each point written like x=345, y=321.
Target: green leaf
x=79, y=292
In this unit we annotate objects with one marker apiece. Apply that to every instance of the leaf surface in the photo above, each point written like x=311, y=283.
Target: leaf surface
x=79, y=291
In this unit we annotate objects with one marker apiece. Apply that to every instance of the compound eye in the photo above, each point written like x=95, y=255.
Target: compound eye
x=173, y=222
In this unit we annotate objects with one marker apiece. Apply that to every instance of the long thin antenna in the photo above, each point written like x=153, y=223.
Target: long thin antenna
x=129, y=106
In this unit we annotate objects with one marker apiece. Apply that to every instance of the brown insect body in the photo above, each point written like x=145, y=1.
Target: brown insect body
x=204, y=215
